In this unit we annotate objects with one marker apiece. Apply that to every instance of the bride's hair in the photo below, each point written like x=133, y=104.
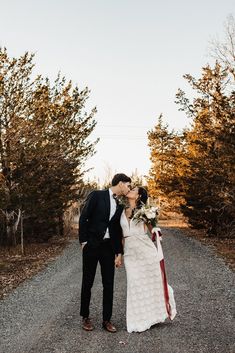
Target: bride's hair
x=143, y=197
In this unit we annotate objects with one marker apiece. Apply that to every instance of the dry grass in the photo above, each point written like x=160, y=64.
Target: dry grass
x=15, y=268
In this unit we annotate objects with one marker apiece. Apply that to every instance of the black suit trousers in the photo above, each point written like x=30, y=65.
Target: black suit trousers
x=103, y=254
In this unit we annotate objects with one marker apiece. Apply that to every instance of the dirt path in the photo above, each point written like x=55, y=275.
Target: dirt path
x=42, y=315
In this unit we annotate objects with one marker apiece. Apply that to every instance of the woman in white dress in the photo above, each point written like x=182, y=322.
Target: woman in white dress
x=150, y=299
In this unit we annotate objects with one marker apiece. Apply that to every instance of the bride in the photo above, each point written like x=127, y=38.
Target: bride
x=150, y=300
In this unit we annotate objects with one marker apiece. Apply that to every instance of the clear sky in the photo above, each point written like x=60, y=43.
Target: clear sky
x=130, y=53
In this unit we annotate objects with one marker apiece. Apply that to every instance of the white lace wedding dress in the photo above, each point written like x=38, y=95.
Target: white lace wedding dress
x=145, y=291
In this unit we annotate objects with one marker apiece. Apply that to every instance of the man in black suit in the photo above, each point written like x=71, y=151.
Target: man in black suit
x=100, y=235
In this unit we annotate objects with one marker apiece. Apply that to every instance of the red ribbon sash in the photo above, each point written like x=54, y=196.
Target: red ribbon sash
x=163, y=273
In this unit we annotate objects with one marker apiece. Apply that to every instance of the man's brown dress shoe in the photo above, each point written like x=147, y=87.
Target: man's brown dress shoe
x=109, y=327
x=87, y=324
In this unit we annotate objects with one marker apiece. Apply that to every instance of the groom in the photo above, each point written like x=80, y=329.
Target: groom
x=101, y=240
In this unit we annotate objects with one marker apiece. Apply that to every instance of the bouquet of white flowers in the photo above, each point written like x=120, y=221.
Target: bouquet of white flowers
x=148, y=214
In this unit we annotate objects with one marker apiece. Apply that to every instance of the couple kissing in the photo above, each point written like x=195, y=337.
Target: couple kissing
x=108, y=233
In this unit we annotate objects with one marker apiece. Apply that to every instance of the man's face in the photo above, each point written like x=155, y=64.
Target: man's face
x=124, y=187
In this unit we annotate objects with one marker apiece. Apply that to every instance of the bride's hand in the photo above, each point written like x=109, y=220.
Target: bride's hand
x=118, y=260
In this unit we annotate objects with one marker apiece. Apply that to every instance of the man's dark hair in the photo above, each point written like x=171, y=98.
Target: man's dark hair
x=120, y=177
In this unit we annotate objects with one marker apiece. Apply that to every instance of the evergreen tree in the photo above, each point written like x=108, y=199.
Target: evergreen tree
x=44, y=144
x=167, y=157
x=209, y=193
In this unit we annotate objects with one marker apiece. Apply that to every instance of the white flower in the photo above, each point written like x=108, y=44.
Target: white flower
x=154, y=209
x=149, y=214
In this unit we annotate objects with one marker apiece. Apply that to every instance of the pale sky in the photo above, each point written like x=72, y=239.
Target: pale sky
x=131, y=54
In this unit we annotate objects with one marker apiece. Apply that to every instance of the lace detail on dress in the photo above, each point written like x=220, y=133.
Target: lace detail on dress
x=145, y=294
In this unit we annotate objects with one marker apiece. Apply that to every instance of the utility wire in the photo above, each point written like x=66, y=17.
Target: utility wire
x=124, y=126
x=123, y=137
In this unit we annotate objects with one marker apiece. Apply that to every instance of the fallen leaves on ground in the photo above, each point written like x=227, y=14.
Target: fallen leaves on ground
x=16, y=268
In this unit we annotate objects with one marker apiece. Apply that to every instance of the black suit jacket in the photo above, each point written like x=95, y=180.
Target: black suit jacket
x=94, y=221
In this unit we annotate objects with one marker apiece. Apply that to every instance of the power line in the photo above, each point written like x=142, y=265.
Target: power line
x=121, y=137
x=124, y=126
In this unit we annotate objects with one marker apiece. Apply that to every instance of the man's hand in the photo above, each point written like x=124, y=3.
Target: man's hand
x=118, y=260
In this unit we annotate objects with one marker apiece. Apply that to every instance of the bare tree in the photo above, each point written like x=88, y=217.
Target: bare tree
x=107, y=176
x=224, y=51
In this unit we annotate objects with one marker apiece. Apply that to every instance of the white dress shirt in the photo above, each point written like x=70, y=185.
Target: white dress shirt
x=113, y=206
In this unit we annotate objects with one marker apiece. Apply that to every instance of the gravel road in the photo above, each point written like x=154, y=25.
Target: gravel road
x=42, y=315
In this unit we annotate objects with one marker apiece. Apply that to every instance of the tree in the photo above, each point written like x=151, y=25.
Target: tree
x=224, y=51
x=198, y=166
x=209, y=192
x=167, y=157
x=44, y=144
x=137, y=179
x=15, y=91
